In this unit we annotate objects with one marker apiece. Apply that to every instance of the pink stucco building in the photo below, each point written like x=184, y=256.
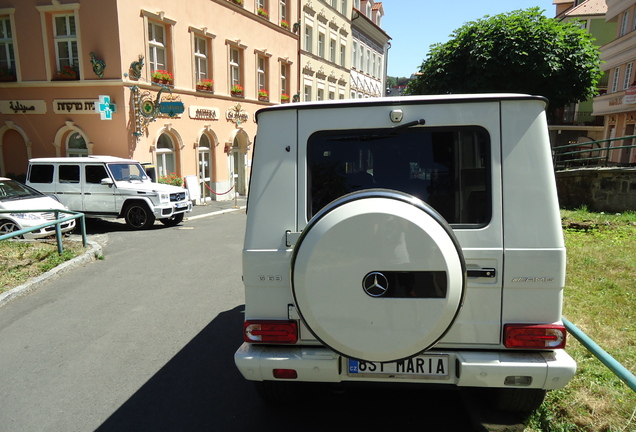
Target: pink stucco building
x=63, y=60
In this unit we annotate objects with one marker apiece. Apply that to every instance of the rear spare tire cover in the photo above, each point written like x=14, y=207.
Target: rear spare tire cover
x=378, y=275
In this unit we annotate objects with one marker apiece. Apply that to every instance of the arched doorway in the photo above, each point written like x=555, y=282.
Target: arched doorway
x=238, y=161
x=14, y=151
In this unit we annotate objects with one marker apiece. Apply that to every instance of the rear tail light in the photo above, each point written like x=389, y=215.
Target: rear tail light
x=270, y=332
x=524, y=336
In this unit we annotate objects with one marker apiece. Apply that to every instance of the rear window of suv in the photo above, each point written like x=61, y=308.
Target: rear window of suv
x=448, y=168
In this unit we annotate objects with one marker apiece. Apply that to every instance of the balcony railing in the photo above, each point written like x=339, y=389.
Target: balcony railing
x=603, y=153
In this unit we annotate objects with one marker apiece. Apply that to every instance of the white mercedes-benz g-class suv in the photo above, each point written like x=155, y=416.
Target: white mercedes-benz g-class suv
x=411, y=240
x=109, y=187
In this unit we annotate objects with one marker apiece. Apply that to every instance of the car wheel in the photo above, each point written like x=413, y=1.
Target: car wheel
x=519, y=400
x=172, y=221
x=7, y=226
x=139, y=216
x=378, y=275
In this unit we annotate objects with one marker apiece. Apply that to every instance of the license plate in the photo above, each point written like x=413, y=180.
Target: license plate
x=426, y=366
x=181, y=205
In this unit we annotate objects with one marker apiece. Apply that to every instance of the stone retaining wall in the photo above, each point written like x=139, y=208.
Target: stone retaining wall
x=610, y=190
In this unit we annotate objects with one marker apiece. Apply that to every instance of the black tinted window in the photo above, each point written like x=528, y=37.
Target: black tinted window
x=69, y=173
x=449, y=168
x=95, y=173
x=41, y=174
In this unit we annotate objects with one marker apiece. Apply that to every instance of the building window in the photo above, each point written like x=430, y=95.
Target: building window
x=369, y=12
x=284, y=80
x=307, y=92
x=617, y=73
x=261, y=75
x=7, y=54
x=201, y=63
x=320, y=94
x=343, y=53
x=343, y=5
x=354, y=55
x=624, y=24
x=166, y=161
x=66, y=53
x=321, y=44
x=76, y=145
x=283, y=10
x=332, y=50
x=157, y=51
x=235, y=66
x=628, y=75
x=309, y=31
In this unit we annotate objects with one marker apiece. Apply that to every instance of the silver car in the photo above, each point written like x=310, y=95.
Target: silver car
x=18, y=197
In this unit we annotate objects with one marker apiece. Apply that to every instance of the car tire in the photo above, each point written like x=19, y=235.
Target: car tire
x=138, y=216
x=385, y=241
x=7, y=226
x=172, y=221
x=519, y=400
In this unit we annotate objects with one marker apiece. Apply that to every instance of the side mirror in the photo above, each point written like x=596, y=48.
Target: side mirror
x=107, y=181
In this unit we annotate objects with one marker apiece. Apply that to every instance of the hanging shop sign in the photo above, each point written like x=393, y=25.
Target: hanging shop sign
x=22, y=106
x=236, y=114
x=203, y=113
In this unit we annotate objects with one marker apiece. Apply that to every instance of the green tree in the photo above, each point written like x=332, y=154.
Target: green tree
x=521, y=51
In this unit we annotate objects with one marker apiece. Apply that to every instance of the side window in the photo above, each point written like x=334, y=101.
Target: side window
x=449, y=168
x=41, y=174
x=69, y=174
x=95, y=174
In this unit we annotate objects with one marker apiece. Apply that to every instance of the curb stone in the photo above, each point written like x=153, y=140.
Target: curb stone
x=94, y=250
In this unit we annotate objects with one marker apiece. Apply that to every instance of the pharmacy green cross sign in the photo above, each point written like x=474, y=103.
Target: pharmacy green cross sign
x=105, y=108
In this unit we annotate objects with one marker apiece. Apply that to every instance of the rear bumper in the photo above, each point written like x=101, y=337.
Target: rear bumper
x=548, y=369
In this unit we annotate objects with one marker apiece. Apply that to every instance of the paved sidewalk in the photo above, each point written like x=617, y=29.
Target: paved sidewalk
x=212, y=208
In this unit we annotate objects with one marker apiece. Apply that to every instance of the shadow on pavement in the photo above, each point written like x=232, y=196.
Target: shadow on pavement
x=200, y=389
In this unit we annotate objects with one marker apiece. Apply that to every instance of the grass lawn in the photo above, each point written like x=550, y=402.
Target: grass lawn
x=22, y=260
x=600, y=299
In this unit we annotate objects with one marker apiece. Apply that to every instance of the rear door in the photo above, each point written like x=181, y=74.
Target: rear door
x=68, y=187
x=98, y=198
x=452, y=163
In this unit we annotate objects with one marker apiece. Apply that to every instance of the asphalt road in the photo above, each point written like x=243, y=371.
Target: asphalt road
x=143, y=340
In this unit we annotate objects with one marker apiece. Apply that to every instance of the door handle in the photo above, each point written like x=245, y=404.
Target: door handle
x=484, y=272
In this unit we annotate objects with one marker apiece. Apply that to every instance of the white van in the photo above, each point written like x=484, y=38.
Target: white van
x=109, y=187
x=411, y=240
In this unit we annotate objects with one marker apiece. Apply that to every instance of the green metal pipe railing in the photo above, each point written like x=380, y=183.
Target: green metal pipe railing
x=559, y=153
x=57, y=222
x=619, y=370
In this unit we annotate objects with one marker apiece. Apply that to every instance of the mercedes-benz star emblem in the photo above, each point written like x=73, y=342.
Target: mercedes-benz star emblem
x=375, y=284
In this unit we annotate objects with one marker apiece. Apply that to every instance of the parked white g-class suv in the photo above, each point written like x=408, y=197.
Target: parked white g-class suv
x=109, y=187
x=411, y=240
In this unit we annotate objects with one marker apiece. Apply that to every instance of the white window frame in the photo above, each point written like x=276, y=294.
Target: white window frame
x=261, y=72
x=7, y=44
x=69, y=38
x=201, y=58
x=157, y=47
x=235, y=65
x=615, y=80
x=624, y=24
x=322, y=41
x=284, y=78
x=282, y=10
x=628, y=75
x=332, y=49
x=343, y=53
x=309, y=37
